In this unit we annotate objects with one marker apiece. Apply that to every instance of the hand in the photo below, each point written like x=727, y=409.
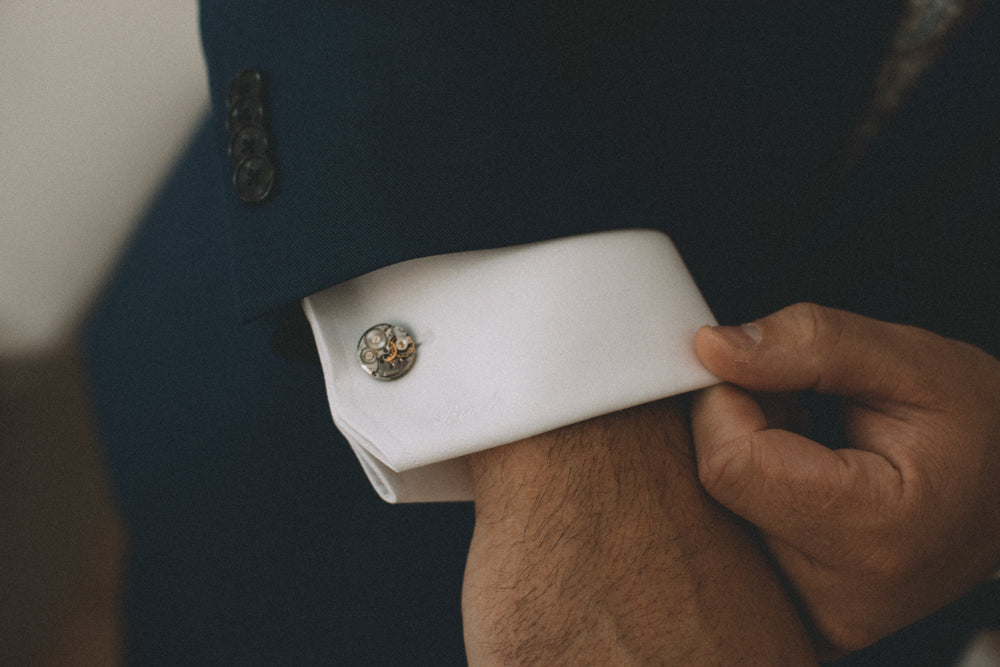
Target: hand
x=595, y=544
x=877, y=536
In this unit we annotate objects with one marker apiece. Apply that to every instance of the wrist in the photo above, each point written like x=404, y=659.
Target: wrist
x=596, y=544
x=569, y=525
x=605, y=464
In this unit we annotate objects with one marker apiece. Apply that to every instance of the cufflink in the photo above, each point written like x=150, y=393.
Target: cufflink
x=386, y=351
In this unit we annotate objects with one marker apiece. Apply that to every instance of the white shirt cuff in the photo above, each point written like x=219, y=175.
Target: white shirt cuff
x=511, y=343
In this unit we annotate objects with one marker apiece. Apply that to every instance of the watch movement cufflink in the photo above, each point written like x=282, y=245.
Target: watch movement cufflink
x=386, y=351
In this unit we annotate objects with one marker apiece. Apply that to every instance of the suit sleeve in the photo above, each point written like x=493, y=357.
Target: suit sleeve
x=399, y=131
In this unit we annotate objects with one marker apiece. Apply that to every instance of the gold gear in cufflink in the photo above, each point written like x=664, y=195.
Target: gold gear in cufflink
x=386, y=351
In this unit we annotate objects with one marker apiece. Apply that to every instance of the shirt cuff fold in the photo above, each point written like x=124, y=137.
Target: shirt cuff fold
x=510, y=343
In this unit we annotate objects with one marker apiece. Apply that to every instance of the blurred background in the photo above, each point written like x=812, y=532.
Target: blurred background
x=97, y=100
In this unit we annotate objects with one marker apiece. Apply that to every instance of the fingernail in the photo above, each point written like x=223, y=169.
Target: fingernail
x=743, y=337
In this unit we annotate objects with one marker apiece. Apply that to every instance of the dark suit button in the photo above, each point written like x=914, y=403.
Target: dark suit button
x=253, y=178
x=250, y=141
x=246, y=112
x=246, y=85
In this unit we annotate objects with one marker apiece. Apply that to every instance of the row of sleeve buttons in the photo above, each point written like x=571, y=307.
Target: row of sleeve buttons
x=249, y=141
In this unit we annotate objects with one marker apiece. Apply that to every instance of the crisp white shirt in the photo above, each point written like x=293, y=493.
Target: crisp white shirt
x=511, y=343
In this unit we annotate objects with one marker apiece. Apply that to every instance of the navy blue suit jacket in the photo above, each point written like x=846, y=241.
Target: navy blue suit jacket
x=401, y=131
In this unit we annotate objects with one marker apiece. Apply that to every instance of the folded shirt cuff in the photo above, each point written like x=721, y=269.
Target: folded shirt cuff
x=510, y=343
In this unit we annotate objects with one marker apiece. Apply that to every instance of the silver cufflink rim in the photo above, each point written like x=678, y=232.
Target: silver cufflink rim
x=386, y=352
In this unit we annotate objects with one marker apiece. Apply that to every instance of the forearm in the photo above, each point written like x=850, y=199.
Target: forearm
x=595, y=543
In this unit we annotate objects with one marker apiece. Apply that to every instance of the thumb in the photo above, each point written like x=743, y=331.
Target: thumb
x=806, y=346
x=790, y=487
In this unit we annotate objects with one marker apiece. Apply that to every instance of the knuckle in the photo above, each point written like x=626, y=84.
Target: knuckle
x=814, y=323
x=862, y=618
x=723, y=473
x=820, y=331
x=712, y=472
x=846, y=631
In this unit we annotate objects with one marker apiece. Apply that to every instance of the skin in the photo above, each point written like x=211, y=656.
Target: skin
x=595, y=544
x=877, y=535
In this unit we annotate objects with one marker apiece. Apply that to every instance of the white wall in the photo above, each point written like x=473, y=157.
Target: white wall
x=96, y=100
